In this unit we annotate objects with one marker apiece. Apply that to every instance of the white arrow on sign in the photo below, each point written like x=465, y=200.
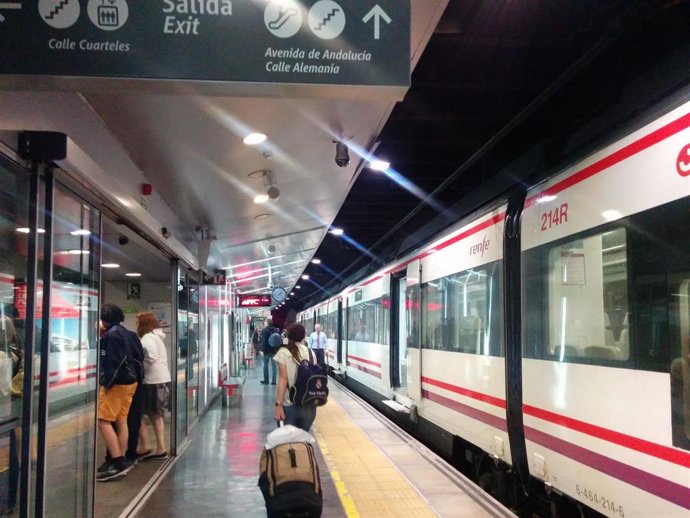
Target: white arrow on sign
x=8, y=5
x=377, y=14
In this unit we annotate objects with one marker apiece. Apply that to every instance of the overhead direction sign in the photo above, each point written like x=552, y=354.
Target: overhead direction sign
x=213, y=43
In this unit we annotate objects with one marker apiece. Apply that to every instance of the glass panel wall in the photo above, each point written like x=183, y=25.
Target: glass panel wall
x=14, y=186
x=193, y=347
x=72, y=360
x=182, y=350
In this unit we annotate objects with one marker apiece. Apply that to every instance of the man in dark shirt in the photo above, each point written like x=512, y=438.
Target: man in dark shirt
x=121, y=369
x=268, y=351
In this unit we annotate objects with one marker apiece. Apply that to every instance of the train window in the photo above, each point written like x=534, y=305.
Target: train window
x=462, y=312
x=331, y=324
x=370, y=321
x=584, y=303
x=680, y=371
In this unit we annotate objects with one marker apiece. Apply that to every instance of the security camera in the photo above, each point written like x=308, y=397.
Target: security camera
x=123, y=240
x=165, y=232
x=342, y=155
x=273, y=192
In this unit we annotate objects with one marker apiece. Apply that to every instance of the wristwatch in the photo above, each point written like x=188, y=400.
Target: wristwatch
x=279, y=404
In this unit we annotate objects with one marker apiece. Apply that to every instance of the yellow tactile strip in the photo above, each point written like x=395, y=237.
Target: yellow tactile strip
x=368, y=483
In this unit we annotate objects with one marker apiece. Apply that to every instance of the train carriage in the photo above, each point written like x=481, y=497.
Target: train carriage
x=606, y=269
x=599, y=368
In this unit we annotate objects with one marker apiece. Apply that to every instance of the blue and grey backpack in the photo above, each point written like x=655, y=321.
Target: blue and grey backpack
x=311, y=383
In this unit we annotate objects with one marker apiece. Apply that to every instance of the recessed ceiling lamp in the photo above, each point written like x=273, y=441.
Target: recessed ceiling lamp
x=316, y=261
x=298, y=287
x=379, y=165
x=261, y=198
x=292, y=293
x=254, y=139
x=81, y=232
x=305, y=277
x=26, y=230
x=110, y=265
x=133, y=274
x=78, y=252
x=337, y=231
x=262, y=216
x=259, y=173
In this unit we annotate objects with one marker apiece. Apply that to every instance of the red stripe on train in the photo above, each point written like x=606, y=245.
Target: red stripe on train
x=651, y=483
x=616, y=157
x=628, y=441
x=500, y=403
x=364, y=360
x=362, y=368
x=659, y=451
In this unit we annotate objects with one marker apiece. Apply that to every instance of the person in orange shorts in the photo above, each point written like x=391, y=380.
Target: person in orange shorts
x=121, y=369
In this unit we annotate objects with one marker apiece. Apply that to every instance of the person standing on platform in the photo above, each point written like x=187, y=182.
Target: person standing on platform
x=288, y=357
x=268, y=351
x=156, y=385
x=317, y=342
x=121, y=370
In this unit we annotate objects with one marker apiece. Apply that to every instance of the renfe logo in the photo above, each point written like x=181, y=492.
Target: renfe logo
x=479, y=248
x=683, y=161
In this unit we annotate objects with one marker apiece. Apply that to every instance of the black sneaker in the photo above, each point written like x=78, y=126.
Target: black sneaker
x=103, y=467
x=264, y=382
x=118, y=469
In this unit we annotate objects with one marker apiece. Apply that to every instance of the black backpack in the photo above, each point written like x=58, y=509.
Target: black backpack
x=311, y=383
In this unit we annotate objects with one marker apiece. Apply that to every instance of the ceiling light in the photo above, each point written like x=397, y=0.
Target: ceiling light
x=81, y=232
x=292, y=293
x=110, y=265
x=25, y=230
x=260, y=173
x=337, y=231
x=133, y=274
x=379, y=165
x=316, y=261
x=305, y=277
x=298, y=287
x=261, y=216
x=254, y=138
x=261, y=198
x=78, y=252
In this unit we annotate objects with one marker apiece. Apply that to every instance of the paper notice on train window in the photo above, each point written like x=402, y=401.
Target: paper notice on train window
x=573, y=268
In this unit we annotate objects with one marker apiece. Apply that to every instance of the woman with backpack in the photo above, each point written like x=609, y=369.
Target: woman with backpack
x=288, y=357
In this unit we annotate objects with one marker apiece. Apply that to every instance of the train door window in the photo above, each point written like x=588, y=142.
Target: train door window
x=587, y=293
x=402, y=330
x=412, y=316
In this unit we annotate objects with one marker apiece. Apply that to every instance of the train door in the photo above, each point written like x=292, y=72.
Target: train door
x=405, y=352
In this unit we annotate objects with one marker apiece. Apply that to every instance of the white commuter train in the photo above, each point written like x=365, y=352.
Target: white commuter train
x=563, y=367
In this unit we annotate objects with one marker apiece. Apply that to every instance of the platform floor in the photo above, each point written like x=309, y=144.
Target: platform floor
x=369, y=467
